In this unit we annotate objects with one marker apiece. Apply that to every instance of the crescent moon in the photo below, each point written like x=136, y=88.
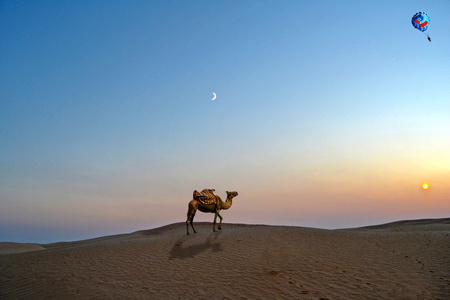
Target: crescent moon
x=214, y=96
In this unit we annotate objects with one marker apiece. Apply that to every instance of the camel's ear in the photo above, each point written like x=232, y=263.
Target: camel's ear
x=227, y=192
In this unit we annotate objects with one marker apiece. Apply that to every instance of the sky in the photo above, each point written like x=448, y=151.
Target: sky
x=329, y=114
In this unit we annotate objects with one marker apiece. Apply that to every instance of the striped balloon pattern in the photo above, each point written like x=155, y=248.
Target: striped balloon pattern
x=420, y=21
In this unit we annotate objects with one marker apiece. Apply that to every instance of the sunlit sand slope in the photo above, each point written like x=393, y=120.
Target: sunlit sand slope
x=402, y=260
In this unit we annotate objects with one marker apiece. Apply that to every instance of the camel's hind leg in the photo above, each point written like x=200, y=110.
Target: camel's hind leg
x=192, y=223
x=192, y=209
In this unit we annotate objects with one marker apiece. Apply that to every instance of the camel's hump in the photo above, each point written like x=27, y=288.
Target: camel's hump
x=205, y=197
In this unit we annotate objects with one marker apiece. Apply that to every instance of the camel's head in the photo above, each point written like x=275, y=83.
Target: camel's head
x=232, y=194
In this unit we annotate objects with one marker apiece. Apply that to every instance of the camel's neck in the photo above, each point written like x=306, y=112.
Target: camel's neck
x=227, y=204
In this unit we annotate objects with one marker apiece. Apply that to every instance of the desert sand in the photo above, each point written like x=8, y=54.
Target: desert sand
x=401, y=260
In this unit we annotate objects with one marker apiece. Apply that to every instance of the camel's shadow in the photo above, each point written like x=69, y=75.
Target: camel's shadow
x=179, y=251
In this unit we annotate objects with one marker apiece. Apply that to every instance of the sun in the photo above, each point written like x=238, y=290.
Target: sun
x=425, y=186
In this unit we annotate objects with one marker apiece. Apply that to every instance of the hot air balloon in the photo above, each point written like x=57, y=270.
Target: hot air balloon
x=421, y=21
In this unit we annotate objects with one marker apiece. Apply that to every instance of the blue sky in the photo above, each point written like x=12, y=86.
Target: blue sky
x=328, y=114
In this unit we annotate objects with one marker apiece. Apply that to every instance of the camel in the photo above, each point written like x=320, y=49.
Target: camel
x=211, y=208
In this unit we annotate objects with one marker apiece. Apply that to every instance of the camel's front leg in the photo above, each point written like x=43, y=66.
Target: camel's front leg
x=220, y=224
x=215, y=217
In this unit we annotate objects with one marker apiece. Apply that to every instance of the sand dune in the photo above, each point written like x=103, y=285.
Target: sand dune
x=8, y=248
x=401, y=260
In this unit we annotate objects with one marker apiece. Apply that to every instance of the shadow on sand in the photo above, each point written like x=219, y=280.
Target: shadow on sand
x=179, y=251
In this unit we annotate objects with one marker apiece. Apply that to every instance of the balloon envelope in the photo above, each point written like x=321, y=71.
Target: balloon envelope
x=420, y=21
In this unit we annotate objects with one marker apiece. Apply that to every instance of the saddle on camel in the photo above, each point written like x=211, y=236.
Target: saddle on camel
x=206, y=197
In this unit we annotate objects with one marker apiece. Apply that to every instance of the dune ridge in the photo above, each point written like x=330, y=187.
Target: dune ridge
x=400, y=260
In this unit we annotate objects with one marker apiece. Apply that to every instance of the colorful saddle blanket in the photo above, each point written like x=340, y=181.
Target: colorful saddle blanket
x=206, y=197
